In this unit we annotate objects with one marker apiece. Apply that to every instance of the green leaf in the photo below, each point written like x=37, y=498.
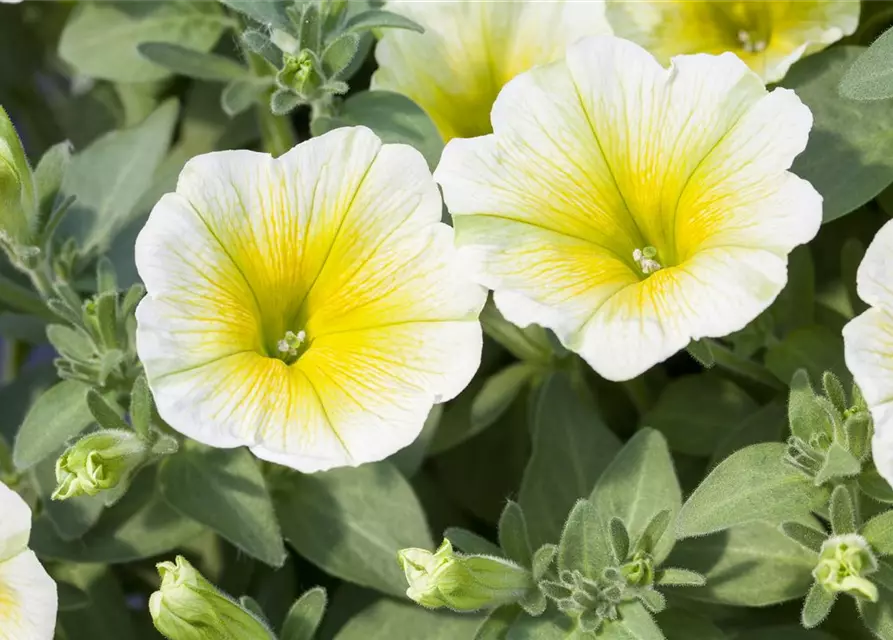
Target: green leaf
x=392, y=116
x=542, y=560
x=635, y=623
x=673, y=577
x=48, y=177
x=877, y=617
x=305, y=615
x=701, y=352
x=268, y=12
x=870, y=77
x=498, y=623
x=339, y=54
x=498, y=393
x=141, y=407
x=572, y=446
x=100, y=40
x=108, y=178
x=750, y=565
x=471, y=543
x=842, y=511
x=875, y=486
x=58, y=414
x=392, y=620
x=193, y=64
x=839, y=463
x=352, y=522
x=379, y=19
x=806, y=537
x=619, y=540
x=879, y=533
x=816, y=348
x=752, y=484
x=141, y=525
x=678, y=624
x=849, y=158
x=721, y=405
x=283, y=102
x=71, y=597
x=224, y=490
x=106, y=416
x=805, y=413
x=551, y=626
x=817, y=606
x=769, y=423
x=784, y=632
x=513, y=536
x=529, y=343
x=583, y=545
x=640, y=483
x=241, y=95
x=107, y=617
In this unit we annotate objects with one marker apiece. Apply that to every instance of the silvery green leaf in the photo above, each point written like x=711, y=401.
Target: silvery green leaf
x=734, y=563
x=380, y=19
x=752, y=484
x=71, y=342
x=193, y=64
x=339, y=54
x=268, y=12
x=48, y=177
x=842, y=511
x=100, y=40
x=834, y=391
x=584, y=546
x=638, y=484
x=542, y=560
x=389, y=619
x=679, y=624
x=58, y=414
x=879, y=533
x=817, y=606
x=806, y=537
x=805, y=414
x=498, y=623
x=283, y=102
x=240, y=95
x=305, y=615
x=839, y=463
x=619, y=540
x=572, y=446
x=513, y=536
x=673, y=577
x=870, y=77
x=106, y=416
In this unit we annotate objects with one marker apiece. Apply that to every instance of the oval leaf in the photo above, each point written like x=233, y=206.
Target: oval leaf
x=58, y=414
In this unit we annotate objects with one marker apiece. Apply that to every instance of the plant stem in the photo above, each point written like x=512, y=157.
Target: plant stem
x=276, y=133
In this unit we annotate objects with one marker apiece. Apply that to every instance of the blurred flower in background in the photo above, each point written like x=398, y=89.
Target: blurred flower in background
x=769, y=35
x=469, y=50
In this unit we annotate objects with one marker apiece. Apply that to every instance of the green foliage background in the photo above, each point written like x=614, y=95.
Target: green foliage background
x=704, y=437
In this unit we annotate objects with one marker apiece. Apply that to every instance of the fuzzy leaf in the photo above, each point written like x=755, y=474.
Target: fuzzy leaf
x=393, y=620
x=224, y=490
x=379, y=19
x=193, y=64
x=752, y=484
x=817, y=606
x=879, y=533
x=619, y=540
x=842, y=511
x=305, y=615
x=805, y=414
x=806, y=537
x=339, y=54
x=58, y=414
x=571, y=448
x=240, y=95
x=471, y=543
x=870, y=77
x=640, y=483
x=498, y=393
x=672, y=577
x=839, y=463
x=498, y=623
x=583, y=546
x=513, y=536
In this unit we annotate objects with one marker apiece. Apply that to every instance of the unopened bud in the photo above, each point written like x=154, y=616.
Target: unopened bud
x=844, y=562
x=98, y=462
x=460, y=582
x=188, y=607
x=17, y=191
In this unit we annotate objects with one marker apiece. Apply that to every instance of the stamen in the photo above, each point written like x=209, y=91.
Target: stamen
x=748, y=44
x=645, y=258
x=289, y=345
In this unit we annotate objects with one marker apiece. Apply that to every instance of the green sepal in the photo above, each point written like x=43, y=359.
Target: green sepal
x=842, y=512
x=817, y=606
x=806, y=537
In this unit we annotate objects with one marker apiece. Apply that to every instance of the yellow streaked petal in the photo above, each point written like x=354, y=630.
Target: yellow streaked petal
x=28, y=601
x=335, y=239
x=470, y=49
x=15, y=524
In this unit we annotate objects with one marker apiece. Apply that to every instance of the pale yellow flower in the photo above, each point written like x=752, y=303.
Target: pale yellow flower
x=868, y=345
x=309, y=307
x=632, y=208
x=470, y=49
x=27, y=593
x=769, y=35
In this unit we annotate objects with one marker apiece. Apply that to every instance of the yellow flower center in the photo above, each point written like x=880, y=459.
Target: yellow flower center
x=645, y=258
x=751, y=42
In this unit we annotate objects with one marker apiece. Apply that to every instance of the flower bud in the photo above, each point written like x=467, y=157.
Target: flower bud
x=188, y=607
x=460, y=582
x=17, y=192
x=299, y=73
x=98, y=462
x=844, y=562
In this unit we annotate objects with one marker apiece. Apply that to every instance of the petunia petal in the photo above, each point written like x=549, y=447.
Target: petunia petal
x=873, y=276
x=28, y=601
x=15, y=523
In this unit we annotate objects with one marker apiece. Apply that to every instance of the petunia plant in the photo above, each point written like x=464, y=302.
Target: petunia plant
x=448, y=320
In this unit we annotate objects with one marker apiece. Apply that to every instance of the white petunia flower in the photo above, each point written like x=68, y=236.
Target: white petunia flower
x=28, y=601
x=868, y=345
x=309, y=307
x=629, y=207
x=470, y=49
